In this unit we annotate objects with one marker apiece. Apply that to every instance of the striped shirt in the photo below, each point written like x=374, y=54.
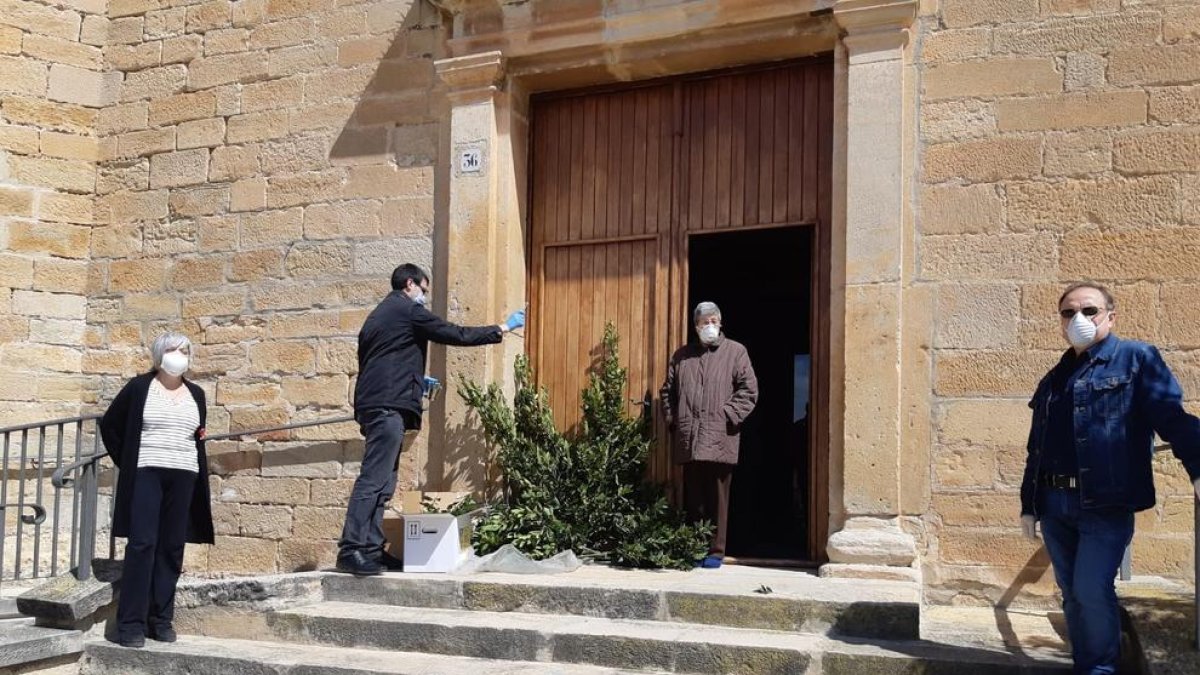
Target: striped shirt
x=169, y=431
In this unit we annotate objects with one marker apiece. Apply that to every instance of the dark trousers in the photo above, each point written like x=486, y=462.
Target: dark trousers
x=1085, y=550
x=706, y=495
x=363, y=530
x=160, y=508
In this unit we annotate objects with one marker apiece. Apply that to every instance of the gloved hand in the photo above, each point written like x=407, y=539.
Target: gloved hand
x=432, y=384
x=1029, y=527
x=515, y=320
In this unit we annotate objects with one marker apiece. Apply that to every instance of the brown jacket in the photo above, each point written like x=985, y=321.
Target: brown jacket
x=709, y=392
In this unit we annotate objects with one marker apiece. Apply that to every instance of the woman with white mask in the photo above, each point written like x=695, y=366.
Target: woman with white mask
x=154, y=433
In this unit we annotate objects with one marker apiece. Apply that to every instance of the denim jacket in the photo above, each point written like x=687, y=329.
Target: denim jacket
x=1126, y=394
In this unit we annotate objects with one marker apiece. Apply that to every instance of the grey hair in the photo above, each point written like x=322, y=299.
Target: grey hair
x=166, y=342
x=706, y=309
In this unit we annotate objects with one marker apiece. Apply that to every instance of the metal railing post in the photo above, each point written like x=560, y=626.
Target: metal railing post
x=1196, y=579
x=87, y=526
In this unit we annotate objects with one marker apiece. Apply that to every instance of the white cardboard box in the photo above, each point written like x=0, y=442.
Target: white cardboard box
x=436, y=542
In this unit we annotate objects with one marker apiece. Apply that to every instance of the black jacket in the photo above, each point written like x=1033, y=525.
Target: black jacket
x=391, y=352
x=121, y=429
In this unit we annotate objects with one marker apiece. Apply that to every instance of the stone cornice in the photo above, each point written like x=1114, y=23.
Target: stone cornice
x=870, y=16
x=475, y=75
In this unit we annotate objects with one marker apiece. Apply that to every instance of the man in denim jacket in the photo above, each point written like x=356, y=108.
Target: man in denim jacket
x=1089, y=464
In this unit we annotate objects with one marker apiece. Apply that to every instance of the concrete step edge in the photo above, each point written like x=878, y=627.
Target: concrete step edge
x=872, y=615
x=22, y=643
x=622, y=643
x=197, y=655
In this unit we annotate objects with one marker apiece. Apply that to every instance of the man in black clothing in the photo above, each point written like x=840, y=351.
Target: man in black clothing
x=387, y=400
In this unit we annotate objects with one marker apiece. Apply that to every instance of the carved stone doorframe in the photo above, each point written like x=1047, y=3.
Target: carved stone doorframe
x=502, y=53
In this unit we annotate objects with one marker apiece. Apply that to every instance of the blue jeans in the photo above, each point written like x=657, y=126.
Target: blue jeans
x=363, y=530
x=1085, y=549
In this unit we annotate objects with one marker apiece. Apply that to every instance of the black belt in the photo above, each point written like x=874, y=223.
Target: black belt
x=1060, y=481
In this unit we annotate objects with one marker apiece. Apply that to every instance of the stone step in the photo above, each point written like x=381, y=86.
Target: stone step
x=628, y=643
x=193, y=655
x=784, y=600
x=22, y=642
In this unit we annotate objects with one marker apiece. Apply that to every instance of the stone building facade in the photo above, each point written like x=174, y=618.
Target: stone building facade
x=250, y=171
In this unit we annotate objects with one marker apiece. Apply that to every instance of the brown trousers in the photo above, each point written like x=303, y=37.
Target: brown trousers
x=706, y=496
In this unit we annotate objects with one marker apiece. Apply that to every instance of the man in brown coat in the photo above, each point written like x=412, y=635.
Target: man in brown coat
x=710, y=390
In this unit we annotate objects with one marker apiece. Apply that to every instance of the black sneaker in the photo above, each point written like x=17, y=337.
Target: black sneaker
x=131, y=641
x=391, y=562
x=163, y=634
x=358, y=564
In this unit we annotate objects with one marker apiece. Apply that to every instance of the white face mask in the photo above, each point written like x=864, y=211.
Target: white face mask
x=709, y=333
x=1081, y=332
x=175, y=363
x=419, y=298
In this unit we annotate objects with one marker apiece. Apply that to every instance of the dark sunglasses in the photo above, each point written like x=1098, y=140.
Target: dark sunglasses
x=1087, y=311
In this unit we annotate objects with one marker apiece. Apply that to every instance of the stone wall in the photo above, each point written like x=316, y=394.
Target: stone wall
x=266, y=166
x=1059, y=140
x=52, y=86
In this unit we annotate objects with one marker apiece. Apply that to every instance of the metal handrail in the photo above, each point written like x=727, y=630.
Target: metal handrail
x=49, y=423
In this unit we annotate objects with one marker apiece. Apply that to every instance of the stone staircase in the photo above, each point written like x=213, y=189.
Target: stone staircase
x=596, y=620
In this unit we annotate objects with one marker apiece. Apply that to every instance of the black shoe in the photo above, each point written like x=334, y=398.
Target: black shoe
x=358, y=564
x=391, y=562
x=133, y=641
x=163, y=634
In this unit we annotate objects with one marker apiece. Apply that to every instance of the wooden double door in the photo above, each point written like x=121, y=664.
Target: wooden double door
x=622, y=179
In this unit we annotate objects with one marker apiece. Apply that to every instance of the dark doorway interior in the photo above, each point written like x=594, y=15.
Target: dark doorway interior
x=761, y=281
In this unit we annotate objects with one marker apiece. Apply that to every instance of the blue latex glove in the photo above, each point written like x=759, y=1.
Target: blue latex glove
x=432, y=384
x=515, y=320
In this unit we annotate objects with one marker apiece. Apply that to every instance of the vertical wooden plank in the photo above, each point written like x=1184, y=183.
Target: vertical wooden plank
x=587, y=297
x=725, y=133
x=553, y=186
x=814, y=105
x=614, y=167
x=636, y=335
x=574, y=362
x=824, y=145
x=753, y=107
x=575, y=147
x=797, y=187
x=601, y=292
x=766, y=151
x=737, y=155
x=537, y=225
x=562, y=220
x=666, y=158
x=781, y=146
x=628, y=143
x=653, y=143
x=712, y=125
x=695, y=195
x=550, y=359
x=587, y=215
x=638, y=168
x=600, y=203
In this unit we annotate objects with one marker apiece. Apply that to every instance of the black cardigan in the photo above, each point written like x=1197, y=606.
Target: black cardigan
x=121, y=429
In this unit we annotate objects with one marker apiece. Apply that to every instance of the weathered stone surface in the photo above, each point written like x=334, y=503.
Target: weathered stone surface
x=983, y=257
x=1140, y=202
x=992, y=78
x=962, y=210
x=873, y=542
x=1156, y=151
x=1072, y=111
x=1077, y=154
x=984, y=161
x=976, y=316
x=996, y=422
x=1178, y=64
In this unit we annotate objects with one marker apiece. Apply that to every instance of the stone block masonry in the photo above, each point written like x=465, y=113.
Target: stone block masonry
x=1056, y=143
